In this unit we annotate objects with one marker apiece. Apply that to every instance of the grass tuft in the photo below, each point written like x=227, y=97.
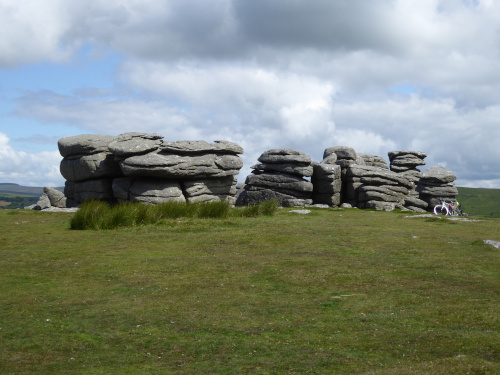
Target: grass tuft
x=98, y=215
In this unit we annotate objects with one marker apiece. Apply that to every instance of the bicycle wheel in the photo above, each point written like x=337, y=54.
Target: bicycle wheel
x=441, y=210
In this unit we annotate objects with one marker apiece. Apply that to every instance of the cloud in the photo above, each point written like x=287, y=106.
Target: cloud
x=266, y=74
x=30, y=169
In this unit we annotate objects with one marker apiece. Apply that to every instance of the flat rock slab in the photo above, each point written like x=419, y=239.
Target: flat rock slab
x=281, y=156
x=296, y=169
x=279, y=181
x=201, y=147
x=162, y=165
x=495, y=244
x=85, y=144
x=404, y=153
x=439, y=174
x=135, y=143
x=301, y=212
x=378, y=176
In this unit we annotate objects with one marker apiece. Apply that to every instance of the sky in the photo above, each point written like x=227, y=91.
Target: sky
x=378, y=76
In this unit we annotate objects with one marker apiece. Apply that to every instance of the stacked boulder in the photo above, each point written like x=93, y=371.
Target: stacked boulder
x=51, y=199
x=374, y=187
x=373, y=161
x=344, y=157
x=437, y=184
x=88, y=167
x=142, y=167
x=280, y=174
x=406, y=163
x=327, y=182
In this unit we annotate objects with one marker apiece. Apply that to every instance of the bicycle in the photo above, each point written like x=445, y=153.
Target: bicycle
x=446, y=208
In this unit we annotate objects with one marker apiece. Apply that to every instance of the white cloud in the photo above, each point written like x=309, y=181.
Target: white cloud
x=266, y=74
x=30, y=169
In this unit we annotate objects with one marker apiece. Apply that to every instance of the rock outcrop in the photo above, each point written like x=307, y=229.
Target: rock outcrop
x=436, y=184
x=406, y=163
x=143, y=167
x=327, y=181
x=374, y=187
x=280, y=175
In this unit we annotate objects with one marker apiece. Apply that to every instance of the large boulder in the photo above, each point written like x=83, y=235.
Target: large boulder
x=56, y=197
x=285, y=156
x=77, y=168
x=85, y=144
x=342, y=152
x=289, y=168
x=201, y=147
x=167, y=165
x=100, y=189
x=148, y=190
x=327, y=184
x=208, y=190
x=128, y=144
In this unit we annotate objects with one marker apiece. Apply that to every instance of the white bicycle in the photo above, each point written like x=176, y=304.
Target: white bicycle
x=446, y=208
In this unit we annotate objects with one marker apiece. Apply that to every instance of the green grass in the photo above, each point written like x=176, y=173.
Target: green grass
x=99, y=215
x=332, y=292
x=480, y=202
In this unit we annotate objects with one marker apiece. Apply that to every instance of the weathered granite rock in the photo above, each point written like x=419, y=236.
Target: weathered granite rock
x=280, y=182
x=147, y=190
x=166, y=165
x=258, y=195
x=279, y=175
x=437, y=184
x=56, y=197
x=128, y=144
x=77, y=168
x=377, y=176
x=285, y=156
x=327, y=184
x=330, y=159
x=201, y=147
x=405, y=153
x=373, y=160
x=380, y=205
x=342, y=152
x=412, y=201
x=42, y=203
x=79, y=192
x=438, y=174
x=209, y=190
x=85, y=144
x=289, y=168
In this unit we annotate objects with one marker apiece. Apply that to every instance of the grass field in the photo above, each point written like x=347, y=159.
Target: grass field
x=332, y=292
x=480, y=202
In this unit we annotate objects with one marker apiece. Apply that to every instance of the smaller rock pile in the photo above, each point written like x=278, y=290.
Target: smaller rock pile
x=279, y=175
x=436, y=184
x=327, y=182
x=374, y=187
x=406, y=163
x=50, y=199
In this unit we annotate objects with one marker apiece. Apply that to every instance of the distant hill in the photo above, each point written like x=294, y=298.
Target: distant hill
x=9, y=188
x=480, y=202
x=475, y=201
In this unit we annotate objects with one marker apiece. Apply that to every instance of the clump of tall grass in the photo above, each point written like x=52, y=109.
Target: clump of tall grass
x=98, y=215
x=266, y=208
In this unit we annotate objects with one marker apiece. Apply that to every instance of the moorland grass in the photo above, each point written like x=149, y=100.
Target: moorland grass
x=99, y=215
x=331, y=292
